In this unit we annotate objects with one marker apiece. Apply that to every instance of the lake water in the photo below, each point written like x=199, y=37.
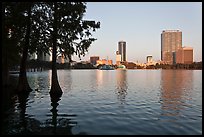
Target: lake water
x=110, y=102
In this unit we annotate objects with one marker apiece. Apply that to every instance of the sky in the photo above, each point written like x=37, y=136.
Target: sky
x=140, y=24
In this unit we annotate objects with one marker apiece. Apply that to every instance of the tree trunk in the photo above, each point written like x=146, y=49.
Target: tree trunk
x=23, y=85
x=5, y=71
x=5, y=68
x=55, y=87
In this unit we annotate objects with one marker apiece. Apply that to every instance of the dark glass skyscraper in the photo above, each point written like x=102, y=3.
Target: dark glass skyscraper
x=122, y=50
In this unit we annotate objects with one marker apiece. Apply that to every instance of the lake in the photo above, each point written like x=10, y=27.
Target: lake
x=110, y=102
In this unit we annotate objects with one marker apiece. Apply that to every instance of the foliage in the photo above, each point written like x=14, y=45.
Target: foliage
x=73, y=33
x=15, y=27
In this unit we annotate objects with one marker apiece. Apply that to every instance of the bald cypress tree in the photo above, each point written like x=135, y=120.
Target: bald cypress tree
x=23, y=82
x=39, y=26
x=27, y=34
x=70, y=34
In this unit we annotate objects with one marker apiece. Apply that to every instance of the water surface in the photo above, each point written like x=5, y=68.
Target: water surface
x=97, y=102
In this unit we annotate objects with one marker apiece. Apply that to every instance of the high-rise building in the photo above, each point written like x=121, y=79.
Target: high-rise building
x=171, y=41
x=60, y=59
x=184, y=55
x=118, y=58
x=93, y=59
x=110, y=62
x=33, y=56
x=43, y=56
x=149, y=59
x=122, y=50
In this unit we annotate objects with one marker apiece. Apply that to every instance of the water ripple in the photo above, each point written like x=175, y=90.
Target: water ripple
x=130, y=102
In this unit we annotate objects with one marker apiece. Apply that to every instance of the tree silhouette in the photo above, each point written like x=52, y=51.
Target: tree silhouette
x=23, y=82
x=36, y=37
x=10, y=51
x=69, y=33
x=24, y=32
x=39, y=26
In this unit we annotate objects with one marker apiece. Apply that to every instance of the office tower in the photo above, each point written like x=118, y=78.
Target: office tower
x=171, y=41
x=33, y=56
x=42, y=56
x=61, y=59
x=93, y=59
x=122, y=50
x=110, y=62
x=118, y=58
x=184, y=55
x=149, y=59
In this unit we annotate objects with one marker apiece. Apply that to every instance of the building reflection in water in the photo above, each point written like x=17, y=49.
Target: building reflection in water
x=175, y=86
x=40, y=83
x=99, y=77
x=121, y=85
x=65, y=79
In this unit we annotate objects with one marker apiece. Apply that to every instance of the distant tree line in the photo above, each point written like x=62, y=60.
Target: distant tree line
x=194, y=65
x=39, y=65
x=83, y=66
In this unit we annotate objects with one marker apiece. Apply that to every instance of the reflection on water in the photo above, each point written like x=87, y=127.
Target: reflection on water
x=65, y=79
x=23, y=99
x=153, y=102
x=24, y=124
x=121, y=81
x=175, y=89
x=54, y=104
x=59, y=123
x=50, y=78
x=20, y=123
x=99, y=77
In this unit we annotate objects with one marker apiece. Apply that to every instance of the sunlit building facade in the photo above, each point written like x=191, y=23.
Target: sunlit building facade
x=61, y=59
x=43, y=56
x=184, y=55
x=104, y=61
x=171, y=41
x=93, y=59
x=118, y=58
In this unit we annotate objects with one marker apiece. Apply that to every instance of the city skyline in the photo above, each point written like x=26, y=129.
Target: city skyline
x=140, y=25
